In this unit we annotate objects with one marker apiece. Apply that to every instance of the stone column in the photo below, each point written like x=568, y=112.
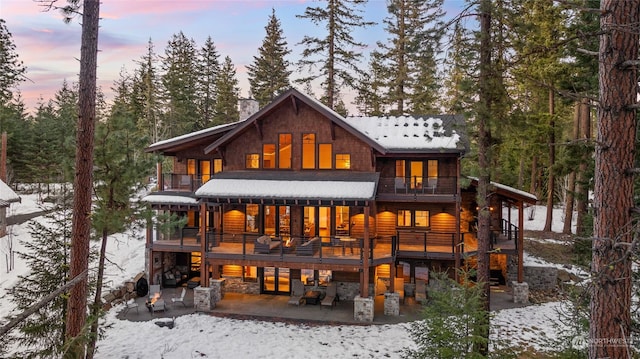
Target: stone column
x=520, y=292
x=363, y=309
x=217, y=287
x=392, y=304
x=203, y=299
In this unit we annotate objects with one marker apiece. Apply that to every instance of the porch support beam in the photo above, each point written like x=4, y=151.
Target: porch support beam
x=520, y=241
x=149, y=249
x=203, y=245
x=159, y=175
x=364, y=280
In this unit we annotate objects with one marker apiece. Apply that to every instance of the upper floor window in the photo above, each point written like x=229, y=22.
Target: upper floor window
x=252, y=160
x=217, y=165
x=269, y=155
x=252, y=216
x=324, y=156
x=432, y=168
x=205, y=170
x=308, y=151
x=343, y=161
x=284, y=150
x=191, y=166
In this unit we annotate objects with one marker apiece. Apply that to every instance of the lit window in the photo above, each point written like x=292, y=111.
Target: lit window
x=308, y=151
x=404, y=218
x=400, y=169
x=284, y=150
x=252, y=160
x=422, y=218
x=191, y=166
x=432, y=168
x=324, y=156
x=252, y=218
x=217, y=165
x=205, y=171
x=343, y=161
x=269, y=155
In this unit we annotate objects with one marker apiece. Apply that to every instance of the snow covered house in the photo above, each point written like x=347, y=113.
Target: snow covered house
x=299, y=192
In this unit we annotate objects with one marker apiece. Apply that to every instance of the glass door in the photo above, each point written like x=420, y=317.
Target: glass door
x=275, y=281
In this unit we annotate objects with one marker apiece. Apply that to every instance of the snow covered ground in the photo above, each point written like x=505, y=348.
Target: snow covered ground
x=199, y=335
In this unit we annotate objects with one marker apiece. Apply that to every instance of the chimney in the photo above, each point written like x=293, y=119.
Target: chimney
x=247, y=107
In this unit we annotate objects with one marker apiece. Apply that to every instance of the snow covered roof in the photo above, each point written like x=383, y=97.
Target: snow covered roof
x=508, y=190
x=170, y=200
x=190, y=137
x=7, y=195
x=293, y=187
x=407, y=133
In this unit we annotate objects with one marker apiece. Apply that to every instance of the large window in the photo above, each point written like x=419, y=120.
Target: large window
x=269, y=155
x=324, y=156
x=432, y=169
x=205, y=171
x=343, y=161
x=309, y=221
x=284, y=150
x=217, y=165
x=409, y=218
x=252, y=160
x=252, y=217
x=308, y=151
x=342, y=221
x=191, y=166
x=416, y=174
x=400, y=169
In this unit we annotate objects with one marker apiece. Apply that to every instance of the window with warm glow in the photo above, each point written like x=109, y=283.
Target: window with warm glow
x=309, y=221
x=400, y=170
x=251, y=223
x=308, y=151
x=421, y=218
x=205, y=171
x=217, y=165
x=404, y=218
x=191, y=166
x=284, y=150
x=324, y=156
x=269, y=155
x=416, y=174
x=343, y=161
x=270, y=220
x=252, y=160
x=342, y=220
x=432, y=168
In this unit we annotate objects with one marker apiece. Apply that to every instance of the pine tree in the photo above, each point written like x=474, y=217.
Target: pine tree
x=180, y=81
x=12, y=70
x=146, y=98
x=371, y=99
x=47, y=254
x=226, y=110
x=269, y=73
x=120, y=171
x=66, y=104
x=209, y=67
x=338, y=54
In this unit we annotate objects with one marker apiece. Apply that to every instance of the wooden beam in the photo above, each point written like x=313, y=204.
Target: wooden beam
x=258, y=127
x=365, y=257
x=203, y=245
x=520, y=241
x=294, y=104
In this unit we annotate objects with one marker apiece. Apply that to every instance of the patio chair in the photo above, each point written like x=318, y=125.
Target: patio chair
x=297, y=292
x=400, y=185
x=131, y=303
x=180, y=299
x=331, y=296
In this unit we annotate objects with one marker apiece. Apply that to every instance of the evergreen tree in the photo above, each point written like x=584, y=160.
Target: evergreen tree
x=180, y=83
x=209, y=67
x=371, y=100
x=146, y=99
x=415, y=28
x=12, y=70
x=120, y=171
x=337, y=54
x=226, y=110
x=47, y=254
x=269, y=74
x=458, y=82
x=66, y=104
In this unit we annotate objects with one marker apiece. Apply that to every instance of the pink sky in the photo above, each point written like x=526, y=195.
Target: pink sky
x=50, y=49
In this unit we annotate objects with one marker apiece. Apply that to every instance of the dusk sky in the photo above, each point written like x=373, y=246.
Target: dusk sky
x=50, y=49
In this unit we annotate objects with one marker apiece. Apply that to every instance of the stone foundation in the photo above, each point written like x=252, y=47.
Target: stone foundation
x=363, y=309
x=237, y=285
x=392, y=304
x=217, y=285
x=520, y=292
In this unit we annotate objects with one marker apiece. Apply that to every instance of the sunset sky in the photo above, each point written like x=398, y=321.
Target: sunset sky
x=50, y=49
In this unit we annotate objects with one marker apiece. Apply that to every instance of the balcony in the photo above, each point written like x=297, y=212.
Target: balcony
x=181, y=182
x=399, y=188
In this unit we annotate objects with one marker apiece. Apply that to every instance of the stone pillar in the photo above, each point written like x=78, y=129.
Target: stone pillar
x=203, y=299
x=217, y=287
x=520, y=292
x=392, y=304
x=363, y=309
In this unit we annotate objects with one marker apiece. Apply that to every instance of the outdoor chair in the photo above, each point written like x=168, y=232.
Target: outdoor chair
x=331, y=296
x=297, y=292
x=131, y=303
x=180, y=299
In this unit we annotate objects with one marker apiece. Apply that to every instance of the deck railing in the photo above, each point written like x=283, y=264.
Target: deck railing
x=181, y=182
x=417, y=186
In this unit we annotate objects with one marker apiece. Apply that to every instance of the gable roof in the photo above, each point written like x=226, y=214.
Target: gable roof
x=294, y=96
x=507, y=191
x=175, y=144
x=7, y=195
x=442, y=133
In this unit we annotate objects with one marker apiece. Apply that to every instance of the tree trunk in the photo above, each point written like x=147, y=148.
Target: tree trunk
x=97, y=301
x=582, y=189
x=552, y=160
x=81, y=223
x=613, y=193
x=534, y=175
x=484, y=161
x=571, y=185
